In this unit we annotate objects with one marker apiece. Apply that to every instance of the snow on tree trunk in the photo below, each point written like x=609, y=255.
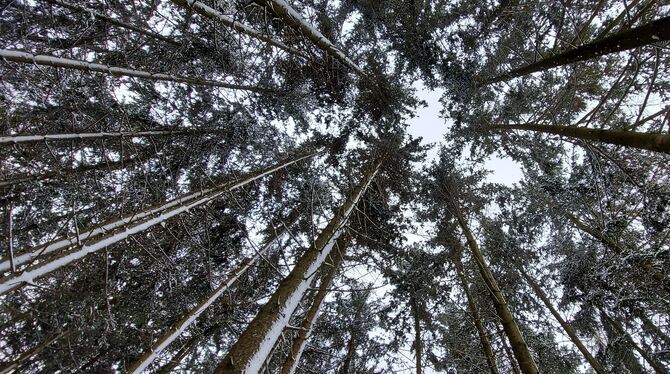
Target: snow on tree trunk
x=653, y=32
x=114, y=21
x=298, y=346
x=158, y=215
x=148, y=357
x=100, y=135
x=252, y=348
x=103, y=165
x=293, y=18
x=511, y=328
x=209, y=12
x=652, y=142
x=59, y=62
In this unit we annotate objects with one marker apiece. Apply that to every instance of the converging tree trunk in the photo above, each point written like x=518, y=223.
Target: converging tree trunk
x=519, y=346
x=640, y=140
x=595, y=364
x=653, y=32
x=248, y=354
x=149, y=356
x=294, y=19
x=18, y=139
x=67, y=63
x=209, y=12
x=418, y=346
x=102, y=165
x=474, y=311
x=157, y=216
x=657, y=366
x=113, y=21
x=298, y=346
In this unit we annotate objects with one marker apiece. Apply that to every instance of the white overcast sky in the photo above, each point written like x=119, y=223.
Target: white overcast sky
x=431, y=127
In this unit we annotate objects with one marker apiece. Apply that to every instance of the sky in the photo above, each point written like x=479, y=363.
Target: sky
x=431, y=127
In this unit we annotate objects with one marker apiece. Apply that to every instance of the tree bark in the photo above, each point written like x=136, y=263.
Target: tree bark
x=595, y=364
x=659, y=276
x=640, y=140
x=67, y=63
x=293, y=18
x=252, y=347
x=113, y=21
x=181, y=353
x=653, y=32
x=418, y=346
x=298, y=346
x=211, y=13
x=17, y=139
x=122, y=231
x=349, y=358
x=177, y=329
x=516, y=339
x=657, y=366
x=113, y=165
x=476, y=316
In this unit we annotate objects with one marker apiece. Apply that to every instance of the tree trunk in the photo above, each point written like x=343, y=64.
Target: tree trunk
x=653, y=32
x=657, y=366
x=640, y=140
x=474, y=310
x=252, y=347
x=171, y=365
x=15, y=365
x=157, y=216
x=595, y=364
x=519, y=346
x=113, y=165
x=209, y=12
x=612, y=245
x=418, y=346
x=177, y=329
x=17, y=139
x=351, y=352
x=113, y=21
x=298, y=346
x=29, y=58
x=293, y=18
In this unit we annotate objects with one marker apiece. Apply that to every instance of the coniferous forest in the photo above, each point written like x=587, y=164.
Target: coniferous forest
x=230, y=186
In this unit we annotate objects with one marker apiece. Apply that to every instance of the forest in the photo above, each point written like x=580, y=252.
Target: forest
x=233, y=186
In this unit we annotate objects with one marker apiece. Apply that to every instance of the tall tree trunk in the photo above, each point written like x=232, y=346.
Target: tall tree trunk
x=298, y=346
x=177, y=329
x=476, y=316
x=648, y=267
x=294, y=19
x=595, y=364
x=252, y=347
x=172, y=364
x=351, y=352
x=519, y=346
x=653, y=32
x=9, y=236
x=209, y=12
x=514, y=366
x=640, y=140
x=24, y=358
x=17, y=139
x=159, y=215
x=63, y=243
x=112, y=165
x=418, y=346
x=113, y=21
x=657, y=366
x=67, y=63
